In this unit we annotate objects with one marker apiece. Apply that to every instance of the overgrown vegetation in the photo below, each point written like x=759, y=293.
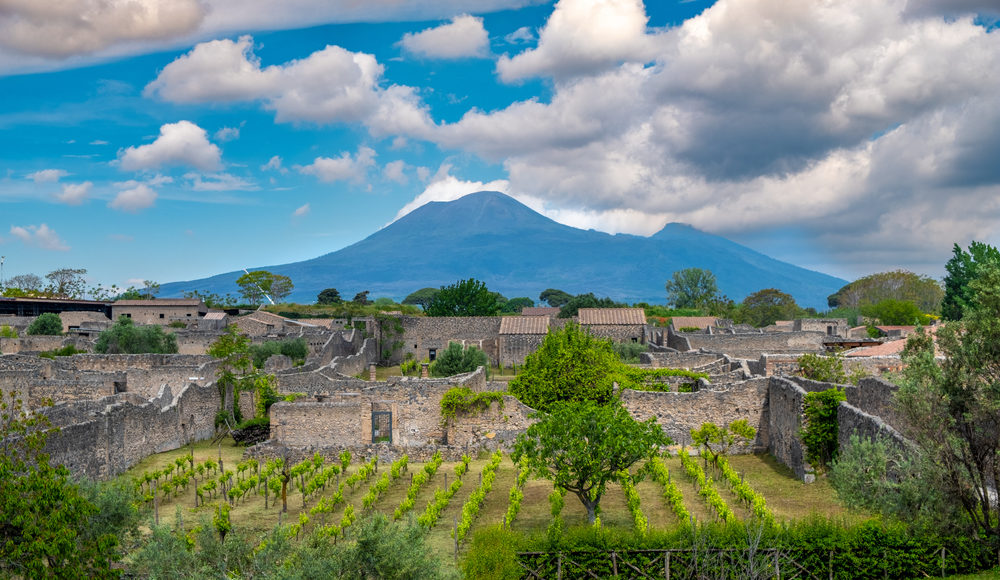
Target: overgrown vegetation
x=47, y=324
x=820, y=431
x=294, y=348
x=68, y=350
x=6, y=331
x=829, y=369
x=464, y=400
x=456, y=360
x=124, y=337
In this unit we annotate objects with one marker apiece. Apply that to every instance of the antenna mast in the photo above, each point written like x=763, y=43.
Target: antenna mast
x=261, y=290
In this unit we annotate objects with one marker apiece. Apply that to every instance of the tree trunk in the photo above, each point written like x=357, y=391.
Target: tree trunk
x=591, y=505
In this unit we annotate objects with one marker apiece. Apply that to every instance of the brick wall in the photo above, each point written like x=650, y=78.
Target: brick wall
x=752, y=346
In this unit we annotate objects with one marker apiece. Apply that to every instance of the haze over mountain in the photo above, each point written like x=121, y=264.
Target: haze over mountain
x=518, y=252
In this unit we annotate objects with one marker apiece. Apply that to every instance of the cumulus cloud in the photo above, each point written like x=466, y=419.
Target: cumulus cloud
x=75, y=193
x=219, y=182
x=62, y=28
x=332, y=85
x=523, y=34
x=301, y=211
x=181, y=143
x=343, y=168
x=584, y=35
x=47, y=175
x=446, y=187
x=135, y=199
x=274, y=164
x=227, y=134
x=463, y=37
x=40, y=236
x=395, y=171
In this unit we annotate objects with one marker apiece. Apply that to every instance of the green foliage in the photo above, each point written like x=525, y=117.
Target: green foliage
x=48, y=524
x=629, y=352
x=515, y=305
x=493, y=554
x=896, y=312
x=361, y=298
x=294, y=348
x=572, y=307
x=329, y=296
x=582, y=446
x=475, y=500
x=554, y=298
x=463, y=400
x=232, y=349
x=641, y=379
x=68, y=350
x=67, y=283
x=177, y=324
x=671, y=493
x=570, y=365
x=765, y=307
x=819, y=434
x=828, y=369
x=422, y=297
x=256, y=285
x=692, y=288
x=47, y=324
x=902, y=285
x=717, y=440
x=124, y=337
x=7, y=332
x=455, y=360
x=464, y=298
x=963, y=268
x=706, y=487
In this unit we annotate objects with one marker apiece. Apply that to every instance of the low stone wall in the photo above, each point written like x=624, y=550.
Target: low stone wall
x=751, y=346
x=41, y=343
x=784, y=418
x=876, y=397
x=357, y=363
x=497, y=427
x=853, y=421
x=677, y=360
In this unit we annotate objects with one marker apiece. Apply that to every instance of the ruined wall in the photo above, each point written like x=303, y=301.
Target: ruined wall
x=421, y=334
x=677, y=360
x=828, y=326
x=341, y=344
x=41, y=343
x=751, y=346
x=497, y=427
x=618, y=332
x=514, y=348
x=876, y=396
x=853, y=421
x=356, y=363
x=678, y=413
x=784, y=410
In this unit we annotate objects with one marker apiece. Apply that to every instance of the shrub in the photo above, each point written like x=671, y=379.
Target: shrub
x=820, y=431
x=464, y=400
x=7, y=332
x=48, y=324
x=68, y=350
x=629, y=352
x=294, y=348
x=124, y=337
x=177, y=324
x=456, y=360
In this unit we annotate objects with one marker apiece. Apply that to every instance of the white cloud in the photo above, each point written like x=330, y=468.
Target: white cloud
x=395, y=171
x=463, y=37
x=135, y=199
x=75, y=193
x=582, y=36
x=343, y=168
x=301, y=211
x=219, y=182
x=47, y=175
x=446, y=187
x=523, y=34
x=332, y=85
x=63, y=28
x=99, y=142
x=227, y=134
x=40, y=236
x=181, y=143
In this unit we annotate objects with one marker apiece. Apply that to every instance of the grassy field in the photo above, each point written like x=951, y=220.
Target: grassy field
x=786, y=497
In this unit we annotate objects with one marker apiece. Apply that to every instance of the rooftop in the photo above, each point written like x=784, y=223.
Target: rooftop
x=612, y=316
x=524, y=325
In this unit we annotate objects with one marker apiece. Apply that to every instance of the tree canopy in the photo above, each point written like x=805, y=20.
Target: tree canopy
x=515, y=305
x=570, y=365
x=256, y=285
x=124, y=337
x=555, y=298
x=583, y=446
x=464, y=298
x=895, y=312
x=67, y=282
x=329, y=296
x=572, y=307
x=422, y=297
x=767, y=306
x=963, y=268
x=692, y=288
x=923, y=291
x=455, y=360
x=48, y=323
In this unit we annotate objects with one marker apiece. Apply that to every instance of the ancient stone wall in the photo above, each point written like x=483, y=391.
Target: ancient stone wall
x=497, y=427
x=677, y=360
x=423, y=334
x=357, y=363
x=618, y=332
x=40, y=343
x=853, y=421
x=751, y=346
x=876, y=396
x=514, y=348
x=784, y=416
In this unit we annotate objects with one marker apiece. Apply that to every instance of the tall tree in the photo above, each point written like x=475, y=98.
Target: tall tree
x=963, y=268
x=891, y=311
x=422, y=297
x=150, y=288
x=923, y=291
x=584, y=446
x=26, y=282
x=588, y=300
x=67, y=282
x=692, y=288
x=232, y=349
x=768, y=306
x=329, y=296
x=256, y=285
x=464, y=298
x=361, y=298
x=555, y=298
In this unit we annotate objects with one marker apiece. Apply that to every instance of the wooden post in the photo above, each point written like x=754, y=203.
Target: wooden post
x=942, y=561
x=831, y=565
x=456, y=536
x=777, y=567
x=559, y=566
x=156, y=507
x=614, y=563
x=666, y=565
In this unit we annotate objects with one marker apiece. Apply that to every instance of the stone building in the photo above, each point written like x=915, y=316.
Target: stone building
x=618, y=324
x=521, y=336
x=829, y=326
x=160, y=311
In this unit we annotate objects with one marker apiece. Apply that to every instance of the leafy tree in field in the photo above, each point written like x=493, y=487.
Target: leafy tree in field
x=717, y=440
x=255, y=285
x=124, y=337
x=46, y=324
x=329, y=296
x=515, y=305
x=456, y=360
x=588, y=300
x=896, y=312
x=924, y=291
x=768, y=306
x=361, y=298
x=232, y=349
x=692, y=288
x=47, y=526
x=67, y=282
x=422, y=297
x=570, y=365
x=963, y=268
x=583, y=446
x=555, y=298
x=464, y=298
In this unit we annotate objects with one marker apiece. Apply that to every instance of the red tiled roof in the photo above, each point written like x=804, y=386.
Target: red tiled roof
x=524, y=325
x=539, y=311
x=700, y=322
x=612, y=316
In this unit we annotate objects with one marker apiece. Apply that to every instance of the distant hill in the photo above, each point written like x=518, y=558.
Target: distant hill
x=518, y=252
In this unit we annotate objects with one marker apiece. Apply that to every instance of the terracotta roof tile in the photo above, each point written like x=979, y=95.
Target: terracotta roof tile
x=524, y=325
x=612, y=316
x=539, y=311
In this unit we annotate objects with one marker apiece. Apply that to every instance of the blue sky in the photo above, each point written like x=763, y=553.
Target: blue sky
x=172, y=140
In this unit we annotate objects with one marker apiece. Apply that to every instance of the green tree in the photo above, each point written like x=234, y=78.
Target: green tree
x=896, y=312
x=49, y=324
x=256, y=285
x=588, y=300
x=768, y=306
x=124, y=337
x=150, y=288
x=232, y=349
x=924, y=291
x=67, y=282
x=583, y=446
x=25, y=282
x=963, y=268
x=456, y=360
x=329, y=296
x=570, y=365
x=515, y=305
x=555, y=298
x=717, y=440
x=464, y=298
x=422, y=297
x=952, y=406
x=361, y=298
x=692, y=288
x=46, y=523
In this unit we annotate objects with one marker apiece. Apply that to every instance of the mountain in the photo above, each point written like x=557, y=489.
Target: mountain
x=518, y=252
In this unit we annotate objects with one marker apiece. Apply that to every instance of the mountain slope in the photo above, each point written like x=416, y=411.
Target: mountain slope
x=518, y=252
